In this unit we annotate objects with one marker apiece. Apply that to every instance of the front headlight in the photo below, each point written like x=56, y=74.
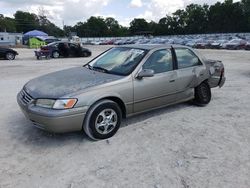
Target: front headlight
x=64, y=103
x=45, y=103
x=56, y=104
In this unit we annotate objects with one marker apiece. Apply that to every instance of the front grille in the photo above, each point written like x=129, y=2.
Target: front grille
x=25, y=97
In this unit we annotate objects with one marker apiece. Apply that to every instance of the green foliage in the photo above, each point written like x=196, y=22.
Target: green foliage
x=25, y=21
x=139, y=25
x=7, y=24
x=97, y=27
x=218, y=18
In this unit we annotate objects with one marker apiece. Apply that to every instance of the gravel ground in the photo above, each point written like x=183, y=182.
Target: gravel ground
x=181, y=146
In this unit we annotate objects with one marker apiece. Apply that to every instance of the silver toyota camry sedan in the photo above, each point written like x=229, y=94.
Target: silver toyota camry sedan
x=120, y=82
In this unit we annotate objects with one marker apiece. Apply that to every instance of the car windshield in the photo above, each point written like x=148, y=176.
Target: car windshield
x=120, y=60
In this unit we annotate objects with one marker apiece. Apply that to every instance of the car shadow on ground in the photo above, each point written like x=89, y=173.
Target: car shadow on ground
x=28, y=134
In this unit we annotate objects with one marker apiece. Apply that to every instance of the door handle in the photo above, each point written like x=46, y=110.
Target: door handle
x=172, y=81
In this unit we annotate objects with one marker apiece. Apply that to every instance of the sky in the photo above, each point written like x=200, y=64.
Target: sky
x=70, y=12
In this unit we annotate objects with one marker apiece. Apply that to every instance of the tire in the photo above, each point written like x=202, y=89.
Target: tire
x=102, y=120
x=55, y=54
x=202, y=94
x=86, y=54
x=10, y=56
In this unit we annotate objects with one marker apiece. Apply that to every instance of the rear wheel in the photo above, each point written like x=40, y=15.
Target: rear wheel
x=10, y=56
x=202, y=94
x=103, y=120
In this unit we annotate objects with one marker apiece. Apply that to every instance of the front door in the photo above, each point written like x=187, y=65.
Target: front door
x=159, y=90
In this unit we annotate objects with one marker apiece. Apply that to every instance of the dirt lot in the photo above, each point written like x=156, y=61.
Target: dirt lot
x=178, y=146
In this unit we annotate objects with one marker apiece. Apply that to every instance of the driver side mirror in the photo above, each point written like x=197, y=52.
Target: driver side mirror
x=145, y=73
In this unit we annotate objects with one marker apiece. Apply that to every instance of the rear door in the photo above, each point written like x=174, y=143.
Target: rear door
x=1, y=52
x=190, y=70
x=159, y=90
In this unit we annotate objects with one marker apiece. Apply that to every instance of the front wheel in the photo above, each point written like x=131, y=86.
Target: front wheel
x=86, y=54
x=55, y=54
x=103, y=120
x=10, y=56
x=202, y=94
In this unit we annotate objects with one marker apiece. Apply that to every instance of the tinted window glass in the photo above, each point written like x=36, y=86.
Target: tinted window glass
x=73, y=45
x=186, y=58
x=160, y=61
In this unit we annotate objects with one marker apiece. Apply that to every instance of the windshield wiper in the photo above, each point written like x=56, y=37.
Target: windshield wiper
x=89, y=66
x=100, y=69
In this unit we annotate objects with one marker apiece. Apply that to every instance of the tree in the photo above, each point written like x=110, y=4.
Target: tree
x=25, y=21
x=227, y=17
x=96, y=27
x=218, y=18
x=7, y=24
x=46, y=26
x=113, y=27
x=181, y=17
x=246, y=12
x=196, y=18
x=139, y=25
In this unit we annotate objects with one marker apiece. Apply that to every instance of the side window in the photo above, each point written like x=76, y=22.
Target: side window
x=160, y=61
x=186, y=58
x=72, y=45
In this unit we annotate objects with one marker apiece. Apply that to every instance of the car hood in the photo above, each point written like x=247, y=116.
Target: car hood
x=69, y=81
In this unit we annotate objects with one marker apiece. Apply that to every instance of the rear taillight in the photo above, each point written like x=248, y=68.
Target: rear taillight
x=44, y=48
x=222, y=71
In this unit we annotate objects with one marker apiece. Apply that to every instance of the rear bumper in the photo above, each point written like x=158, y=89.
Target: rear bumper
x=57, y=121
x=222, y=81
x=216, y=81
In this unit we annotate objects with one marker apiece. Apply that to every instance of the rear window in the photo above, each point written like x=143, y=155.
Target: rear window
x=186, y=58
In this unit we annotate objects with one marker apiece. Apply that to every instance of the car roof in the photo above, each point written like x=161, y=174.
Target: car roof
x=152, y=46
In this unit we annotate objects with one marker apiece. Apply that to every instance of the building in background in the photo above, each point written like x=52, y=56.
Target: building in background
x=10, y=39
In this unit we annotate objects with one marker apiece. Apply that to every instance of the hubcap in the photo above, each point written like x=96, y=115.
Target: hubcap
x=106, y=121
x=55, y=54
x=10, y=56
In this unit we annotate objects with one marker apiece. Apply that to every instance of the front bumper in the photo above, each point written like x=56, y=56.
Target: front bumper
x=57, y=121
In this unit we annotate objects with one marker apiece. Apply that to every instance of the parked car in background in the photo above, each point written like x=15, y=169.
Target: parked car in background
x=191, y=43
x=121, y=82
x=66, y=49
x=143, y=41
x=235, y=44
x=247, y=46
x=218, y=44
x=108, y=42
x=8, y=53
x=203, y=44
